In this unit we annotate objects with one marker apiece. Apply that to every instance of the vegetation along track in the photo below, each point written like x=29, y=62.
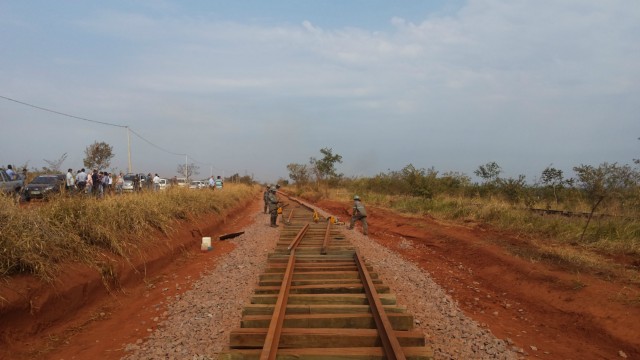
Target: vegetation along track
x=318, y=299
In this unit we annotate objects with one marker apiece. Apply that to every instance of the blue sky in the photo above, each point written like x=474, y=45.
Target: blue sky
x=250, y=86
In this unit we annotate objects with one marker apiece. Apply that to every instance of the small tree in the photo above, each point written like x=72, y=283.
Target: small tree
x=513, y=189
x=553, y=179
x=325, y=168
x=188, y=170
x=98, y=155
x=489, y=172
x=420, y=181
x=605, y=181
x=299, y=173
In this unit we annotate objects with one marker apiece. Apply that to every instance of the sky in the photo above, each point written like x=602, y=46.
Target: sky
x=248, y=87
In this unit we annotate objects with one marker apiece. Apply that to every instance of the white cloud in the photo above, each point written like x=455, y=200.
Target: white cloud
x=493, y=71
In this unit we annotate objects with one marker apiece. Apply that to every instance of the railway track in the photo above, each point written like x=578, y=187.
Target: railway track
x=319, y=299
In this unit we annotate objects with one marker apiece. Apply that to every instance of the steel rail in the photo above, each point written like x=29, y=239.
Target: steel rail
x=290, y=215
x=272, y=340
x=325, y=242
x=294, y=243
x=390, y=343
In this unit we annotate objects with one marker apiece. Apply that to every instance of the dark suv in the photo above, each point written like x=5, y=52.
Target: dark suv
x=44, y=186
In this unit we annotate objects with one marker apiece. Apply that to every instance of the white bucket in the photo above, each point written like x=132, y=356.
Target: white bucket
x=206, y=244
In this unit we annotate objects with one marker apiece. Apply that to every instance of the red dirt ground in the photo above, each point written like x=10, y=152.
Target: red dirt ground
x=563, y=315
x=104, y=323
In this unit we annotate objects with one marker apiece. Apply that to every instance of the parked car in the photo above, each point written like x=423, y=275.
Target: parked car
x=130, y=181
x=181, y=182
x=10, y=186
x=164, y=184
x=197, y=184
x=44, y=186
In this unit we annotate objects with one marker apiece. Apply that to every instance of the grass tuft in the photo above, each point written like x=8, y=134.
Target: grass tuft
x=36, y=239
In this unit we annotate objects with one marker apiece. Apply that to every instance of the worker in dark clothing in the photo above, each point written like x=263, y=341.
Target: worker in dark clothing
x=273, y=206
x=265, y=197
x=359, y=213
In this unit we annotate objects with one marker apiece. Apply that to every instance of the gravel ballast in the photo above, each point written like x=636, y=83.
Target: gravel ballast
x=198, y=322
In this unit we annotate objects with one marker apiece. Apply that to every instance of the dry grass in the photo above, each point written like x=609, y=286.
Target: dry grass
x=552, y=238
x=37, y=239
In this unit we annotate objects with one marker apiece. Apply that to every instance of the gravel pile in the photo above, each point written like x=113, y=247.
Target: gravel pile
x=198, y=322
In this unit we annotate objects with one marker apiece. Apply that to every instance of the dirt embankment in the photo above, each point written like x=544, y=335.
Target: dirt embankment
x=37, y=318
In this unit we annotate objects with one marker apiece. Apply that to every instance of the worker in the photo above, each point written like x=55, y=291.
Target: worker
x=265, y=197
x=273, y=206
x=359, y=213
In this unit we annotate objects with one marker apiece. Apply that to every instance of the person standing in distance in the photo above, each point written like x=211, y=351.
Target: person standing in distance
x=273, y=206
x=265, y=197
x=359, y=213
x=11, y=173
x=156, y=183
x=70, y=181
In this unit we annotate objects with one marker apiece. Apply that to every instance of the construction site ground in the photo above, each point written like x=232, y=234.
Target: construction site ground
x=548, y=311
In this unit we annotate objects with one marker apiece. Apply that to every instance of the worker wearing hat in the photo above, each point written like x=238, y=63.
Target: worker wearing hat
x=273, y=205
x=359, y=213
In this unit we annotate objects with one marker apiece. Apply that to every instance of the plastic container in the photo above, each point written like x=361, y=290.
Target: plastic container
x=206, y=244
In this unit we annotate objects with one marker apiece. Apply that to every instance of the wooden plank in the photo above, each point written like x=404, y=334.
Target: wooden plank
x=363, y=321
x=316, y=275
x=315, y=282
x=324, y=289
x=267, y=309
x=326, y=299
x=230, y=235
x=316, y=268
x=311, y=264
x=321, y=338
x=411, y=353
x=279, y=269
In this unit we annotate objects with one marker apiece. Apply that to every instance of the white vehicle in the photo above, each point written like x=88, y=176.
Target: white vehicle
x=129, y=182
x=197, y=184
x=164, y=184
x=181, y=182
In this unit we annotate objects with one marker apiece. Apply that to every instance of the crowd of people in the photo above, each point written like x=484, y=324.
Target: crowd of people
x=97, y=183
x=100, y=183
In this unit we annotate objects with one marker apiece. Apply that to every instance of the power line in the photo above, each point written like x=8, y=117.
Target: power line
x=154, y=145
x=93, y=121
x=202, y=163
x=108, y=124
x=61, y=113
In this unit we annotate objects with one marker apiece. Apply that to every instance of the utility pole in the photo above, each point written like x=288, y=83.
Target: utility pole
x=186, y=168
x=129, y=149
